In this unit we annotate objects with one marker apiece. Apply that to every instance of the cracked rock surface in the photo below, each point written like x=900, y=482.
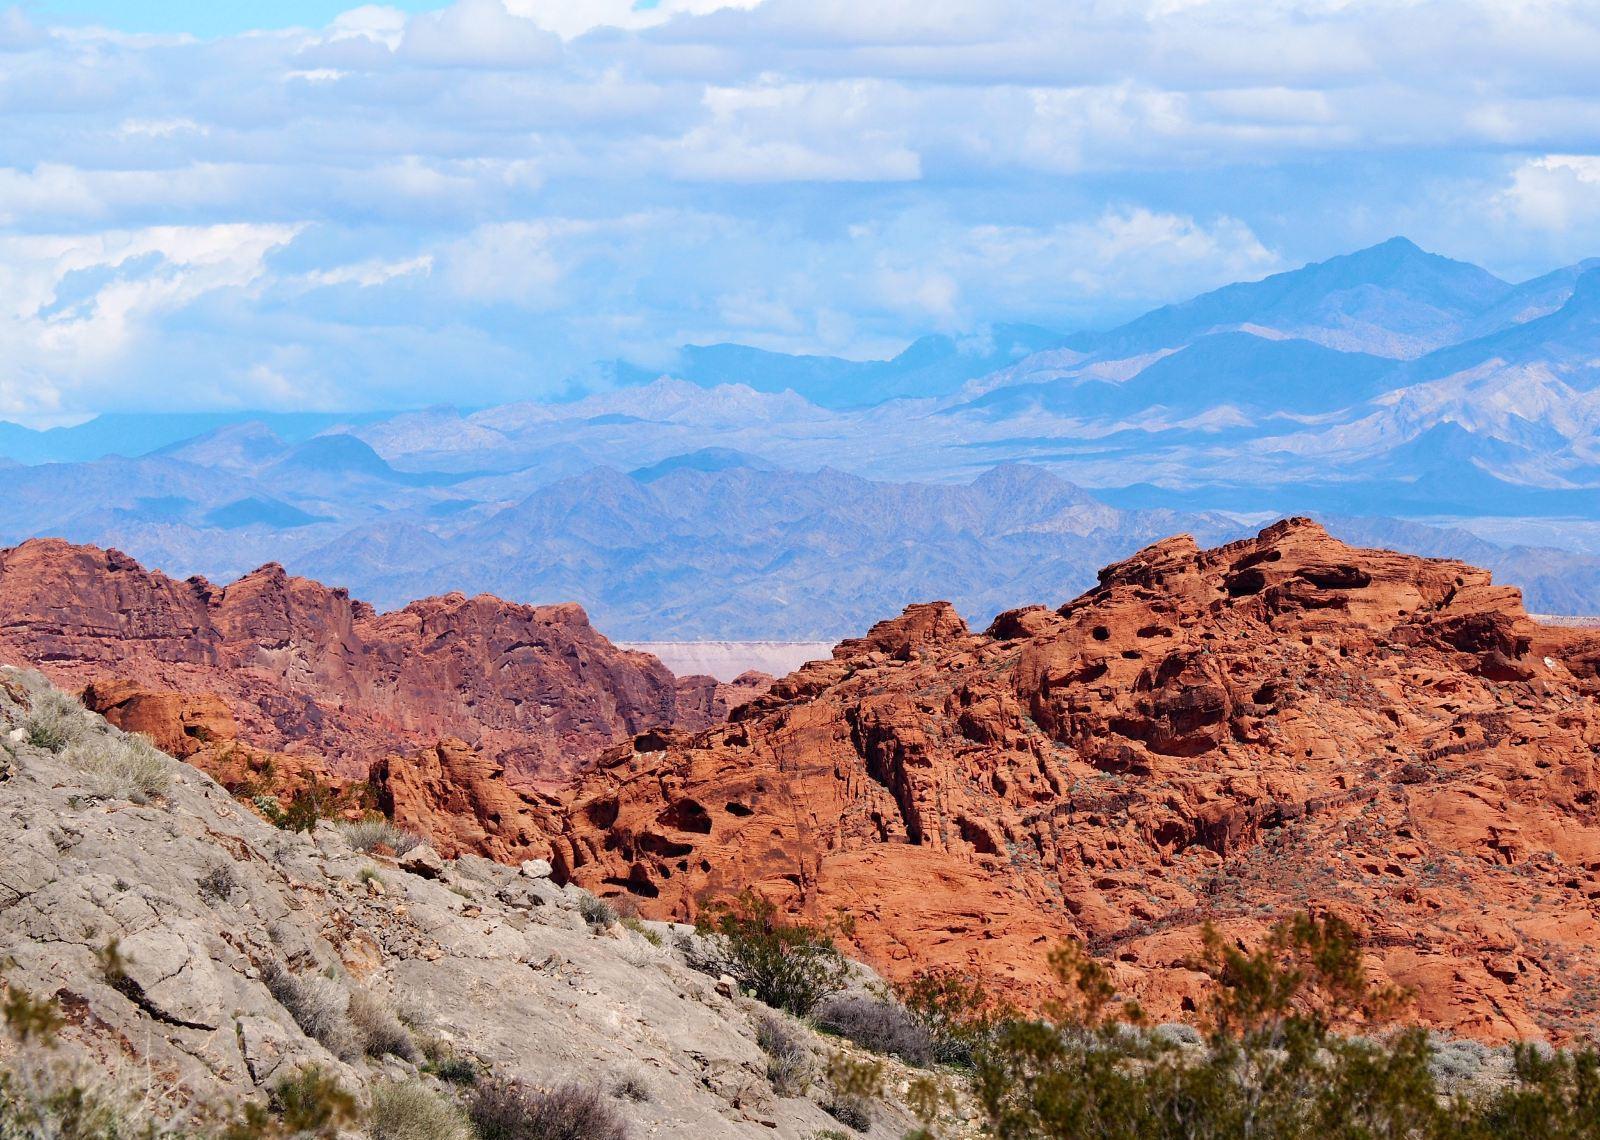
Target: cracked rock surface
x=202, y=901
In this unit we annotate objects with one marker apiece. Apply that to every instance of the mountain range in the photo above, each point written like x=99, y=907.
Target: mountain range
x=1398, y=394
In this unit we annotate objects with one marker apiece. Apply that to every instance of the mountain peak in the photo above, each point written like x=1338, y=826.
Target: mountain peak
x=1586, y=289
x=707, y=459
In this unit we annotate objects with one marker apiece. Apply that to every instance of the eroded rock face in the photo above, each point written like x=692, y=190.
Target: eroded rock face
x=1280, y=724
x=180, y=724
x=703, y=701
x=304, y=668
x=459, y=798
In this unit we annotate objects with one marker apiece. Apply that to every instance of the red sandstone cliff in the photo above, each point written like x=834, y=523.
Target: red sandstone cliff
x=1230, y=735
x=1280, y=724
x=303, y=668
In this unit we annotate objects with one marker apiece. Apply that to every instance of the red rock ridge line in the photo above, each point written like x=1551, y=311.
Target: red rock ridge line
x=303, y=667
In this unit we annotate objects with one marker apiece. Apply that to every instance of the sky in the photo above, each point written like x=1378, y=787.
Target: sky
x=353, y=208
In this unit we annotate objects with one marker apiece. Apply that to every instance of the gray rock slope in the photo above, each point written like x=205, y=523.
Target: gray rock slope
x=205, y=903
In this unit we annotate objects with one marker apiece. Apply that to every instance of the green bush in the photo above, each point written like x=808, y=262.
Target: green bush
x=953, y=1010
x=782, y=962
x=409, y=1110
x=310, y=804
x=1271, y=1066
x=853, y=1086
x=311, y=1102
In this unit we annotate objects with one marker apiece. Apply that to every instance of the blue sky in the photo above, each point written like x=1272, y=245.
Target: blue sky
x=383, y=206
x=200, y=17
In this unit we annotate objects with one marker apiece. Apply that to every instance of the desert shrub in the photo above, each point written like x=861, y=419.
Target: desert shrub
x=455, y=1069
x=1458, y=1064
x=953, y=1010
x=788, y=1059
x=510, y=1110
x=121, y=766
x=311, y=1102
x=409, y=1110
x=377, y=1028
x=630, y=1086
x=367, y=835
x=66, y=1109
x=634, y=923
x=319, y=1007
x=39, y=1098
x=1551, y=1094
x=852, y=1087
x=311, y=803
x=269, y=807
x=1271, y=1065
x=878, y=1025
x=1177, y=1033
x=217, y=884
x=54, y=720
x=782, y=962
x=29, y=1019
x=849, y=1111
x=441, y=1058
x=598, y=913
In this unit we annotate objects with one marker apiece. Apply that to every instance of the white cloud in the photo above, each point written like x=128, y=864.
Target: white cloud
x=529, y=184
x=74, y=307
x=478, y=33
x=371, y=273
x=571, y=18
x=371, y=21
x=1555, y=192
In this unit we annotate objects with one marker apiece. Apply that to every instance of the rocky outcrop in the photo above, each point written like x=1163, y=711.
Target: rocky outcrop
x=304, y=668
x=208, y=910
x=704, y=701
x=459, y=798
x=180, y=724
x=1281, y=724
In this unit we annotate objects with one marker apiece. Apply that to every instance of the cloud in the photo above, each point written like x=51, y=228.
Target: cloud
x=478, y=33
x=74, y=307
x=503, y=190
x=1555, y=192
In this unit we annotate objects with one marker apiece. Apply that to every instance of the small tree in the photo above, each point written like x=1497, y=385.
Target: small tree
x=786, y=963
x=1272, y=1065
x=953, y=1009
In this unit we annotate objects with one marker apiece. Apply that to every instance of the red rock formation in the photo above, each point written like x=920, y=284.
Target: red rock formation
x=181, y=724
x=1281, y=724
x=303, y=668
x=459, y=798
x=704, y=701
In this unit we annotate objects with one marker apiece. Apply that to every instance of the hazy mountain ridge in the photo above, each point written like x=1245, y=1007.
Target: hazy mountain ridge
x=1389, y=382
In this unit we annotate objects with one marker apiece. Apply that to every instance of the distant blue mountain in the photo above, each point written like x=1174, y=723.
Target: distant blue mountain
x=256, y=511
x=1237, y=369
x=1568, y=337
x=706, y=459
x=132, y=434
x=930, y=366
x=1392, y=299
